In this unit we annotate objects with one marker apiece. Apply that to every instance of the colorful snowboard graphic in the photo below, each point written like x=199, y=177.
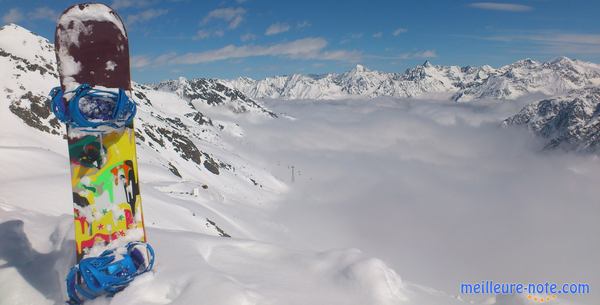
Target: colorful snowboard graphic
x=92, y=48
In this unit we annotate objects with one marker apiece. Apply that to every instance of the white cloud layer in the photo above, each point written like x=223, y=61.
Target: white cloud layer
x=435, y=188
x=495, y=6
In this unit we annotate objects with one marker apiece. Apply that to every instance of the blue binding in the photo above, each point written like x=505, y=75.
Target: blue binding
x=95, y=276
x=122, y=114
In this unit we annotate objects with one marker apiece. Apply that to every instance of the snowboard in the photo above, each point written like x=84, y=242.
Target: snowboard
x=92, y=48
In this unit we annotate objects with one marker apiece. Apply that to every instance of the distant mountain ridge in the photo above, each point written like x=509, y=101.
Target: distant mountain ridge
x=460, y=84
x=171, y=114
x=212, y=92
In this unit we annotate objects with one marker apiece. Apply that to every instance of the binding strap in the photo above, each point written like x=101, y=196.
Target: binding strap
x=108, y=273
x=122, y=113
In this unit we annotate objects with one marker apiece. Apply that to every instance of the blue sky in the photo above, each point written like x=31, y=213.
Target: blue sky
x=258, y=38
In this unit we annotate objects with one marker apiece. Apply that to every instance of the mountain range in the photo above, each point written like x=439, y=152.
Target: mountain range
x=460, y=84
x=30, y=62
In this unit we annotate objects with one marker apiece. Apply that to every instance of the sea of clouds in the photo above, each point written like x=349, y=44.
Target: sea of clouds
x=438, y=190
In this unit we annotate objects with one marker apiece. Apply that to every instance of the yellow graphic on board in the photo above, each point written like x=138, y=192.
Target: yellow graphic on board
x=105, y=186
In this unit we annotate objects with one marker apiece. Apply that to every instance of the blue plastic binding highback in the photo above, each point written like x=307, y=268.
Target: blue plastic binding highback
x=120, y=113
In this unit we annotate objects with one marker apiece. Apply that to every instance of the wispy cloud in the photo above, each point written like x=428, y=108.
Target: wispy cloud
x=232, y=15
x=303, y=24
x=203, y=34
x=425, y=54
x=590, y=39
x=555, y=43
x=352, y=36
x=303, y=49
x=399, y=31
x=146, y=15
x=378, y=35
x=495, y=6
x=339, y=55
x=140, y=61
x=118, y=4
x=247, y=37
x=44, y=13
x=277, y=28
x=13, y=15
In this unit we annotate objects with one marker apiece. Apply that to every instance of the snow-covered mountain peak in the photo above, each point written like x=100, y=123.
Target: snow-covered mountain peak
x=524, y=62
x=563, y=60
x=18, y=32
x=25, y=44
x=427, y=64
x=359, y=68
x=13, y=29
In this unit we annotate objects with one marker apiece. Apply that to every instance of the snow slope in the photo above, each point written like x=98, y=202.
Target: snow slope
x=458, y=83
x=184, y=149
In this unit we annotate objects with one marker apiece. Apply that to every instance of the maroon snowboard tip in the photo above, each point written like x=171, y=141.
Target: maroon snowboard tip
x=92, y=47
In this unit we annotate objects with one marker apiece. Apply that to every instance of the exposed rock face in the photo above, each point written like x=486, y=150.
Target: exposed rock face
x=212, y=92
x=570, y=122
